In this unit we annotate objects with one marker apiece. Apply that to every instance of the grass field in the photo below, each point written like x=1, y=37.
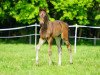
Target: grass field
x=19, y=59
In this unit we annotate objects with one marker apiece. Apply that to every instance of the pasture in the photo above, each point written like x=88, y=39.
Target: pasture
x=19, y=59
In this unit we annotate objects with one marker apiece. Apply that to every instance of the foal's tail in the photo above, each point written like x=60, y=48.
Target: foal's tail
x=67, y=26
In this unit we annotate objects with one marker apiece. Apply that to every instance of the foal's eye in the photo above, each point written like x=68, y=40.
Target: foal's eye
x=42, y=14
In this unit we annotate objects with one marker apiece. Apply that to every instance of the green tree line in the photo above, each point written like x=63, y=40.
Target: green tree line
x=14, y=13
x=82, y=12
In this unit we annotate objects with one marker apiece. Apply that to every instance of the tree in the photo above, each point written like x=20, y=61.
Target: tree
x=25, y=11
x=74, y=10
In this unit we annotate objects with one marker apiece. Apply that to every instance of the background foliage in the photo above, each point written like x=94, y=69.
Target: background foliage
x=85, y=12
x=14, y=13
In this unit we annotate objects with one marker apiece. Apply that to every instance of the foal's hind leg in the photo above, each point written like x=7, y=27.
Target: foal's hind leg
x=41, y=41
x=58, y=39
x=69, y=50
x=65, y=38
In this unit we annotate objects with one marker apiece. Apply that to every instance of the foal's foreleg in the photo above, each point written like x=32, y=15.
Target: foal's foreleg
x=49, y=50
x=58, y=39
x=41, y=41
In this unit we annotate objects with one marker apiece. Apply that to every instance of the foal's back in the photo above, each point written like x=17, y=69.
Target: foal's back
x=58, y=28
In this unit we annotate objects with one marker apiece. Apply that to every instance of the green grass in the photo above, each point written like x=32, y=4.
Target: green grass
x=19, y=59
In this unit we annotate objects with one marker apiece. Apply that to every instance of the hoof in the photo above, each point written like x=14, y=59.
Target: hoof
x=71, y=63
x=59, y=64
x=37, y=63
x=50, y=63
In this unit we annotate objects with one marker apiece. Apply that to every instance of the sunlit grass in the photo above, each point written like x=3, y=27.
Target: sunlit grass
x=19, y=59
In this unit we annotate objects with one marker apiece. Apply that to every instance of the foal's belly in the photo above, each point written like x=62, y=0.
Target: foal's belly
x=56, y=30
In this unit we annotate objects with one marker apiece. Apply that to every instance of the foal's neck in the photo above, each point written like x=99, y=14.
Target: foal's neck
x=46, y=22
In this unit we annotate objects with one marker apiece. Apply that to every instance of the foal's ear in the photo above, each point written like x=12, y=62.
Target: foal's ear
x=42, y=9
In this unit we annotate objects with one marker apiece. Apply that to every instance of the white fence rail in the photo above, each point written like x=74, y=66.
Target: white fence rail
x=35, y=34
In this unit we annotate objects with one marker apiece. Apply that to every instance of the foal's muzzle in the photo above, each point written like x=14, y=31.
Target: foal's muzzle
x=41, y=22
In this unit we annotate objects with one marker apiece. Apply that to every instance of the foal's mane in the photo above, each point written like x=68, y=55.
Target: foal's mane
x=46, y=20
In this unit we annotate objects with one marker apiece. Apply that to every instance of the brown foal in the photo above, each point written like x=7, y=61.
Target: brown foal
x=52, y=30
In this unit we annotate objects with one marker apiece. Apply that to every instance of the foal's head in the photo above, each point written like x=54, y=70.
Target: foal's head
x=43, y=16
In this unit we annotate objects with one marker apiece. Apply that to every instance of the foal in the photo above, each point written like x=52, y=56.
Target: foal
x=52, y=30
